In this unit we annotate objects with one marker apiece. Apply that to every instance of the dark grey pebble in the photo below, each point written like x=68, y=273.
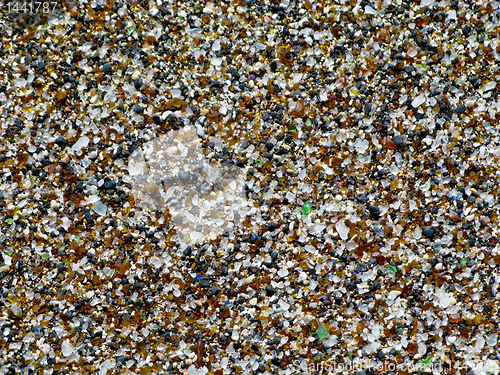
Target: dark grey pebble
x=61, y=142
x=204, y=282
x=107, y=68
x=270, y=290
x=428, y=232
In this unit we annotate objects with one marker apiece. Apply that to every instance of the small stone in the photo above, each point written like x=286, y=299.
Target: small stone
x=138, y=84
x=40, y=66
x=460, y=110
x=138, y=109
x=204, y=282
x=380, y=355
x=428, y=232
x=184, y=176
x=110, y=184
x=214, y=290
x=270, y=290
x=122, y=358
x=61, y=142
x=107, y=68
x=374, y=211
x=269, y=145
x=398, y=140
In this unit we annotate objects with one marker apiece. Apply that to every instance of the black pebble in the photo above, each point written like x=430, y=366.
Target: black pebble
x=138, y=109
x=374, y=210
x=428, y=232
x=138, y=84
x=122, y=359
x=107, y=68
x=460, y=110
x=61, y=142
x=270, y=290
x=40, y=66
x=269, y=145
x=204, y=282
x=110, y=185
x=272, y=227
x=380, y=355
x=398, y=140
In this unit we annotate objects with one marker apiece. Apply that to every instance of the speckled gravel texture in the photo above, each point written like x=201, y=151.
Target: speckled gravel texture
x=370, y=137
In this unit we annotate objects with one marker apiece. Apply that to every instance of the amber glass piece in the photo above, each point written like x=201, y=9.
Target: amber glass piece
x=124, y=267
x=389, y=144
x=299, y=109
x=477, y=319
x=412, y=348
x=61, y=94
x=137, y=316
x=76, y=199
x=213, y=116
x=200, y=351
x=177, y=102
x=225, y=312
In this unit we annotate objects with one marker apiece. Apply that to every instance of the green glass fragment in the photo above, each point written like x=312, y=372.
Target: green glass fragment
x=307, y=208
x=322, y=332
x=427, y=360
x=392, y=268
